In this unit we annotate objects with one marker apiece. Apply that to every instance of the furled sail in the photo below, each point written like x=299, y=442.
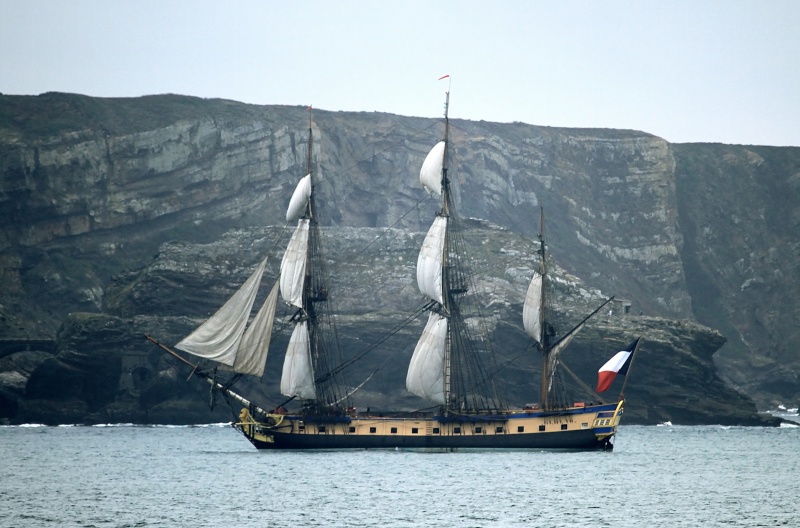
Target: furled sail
x=430, y=175
x=425, y=376
x=552, y=357
x=219, y=338
x=429, y=262
x=297, y=378
x=532, y=309
x=293, y=265
x=297, y=205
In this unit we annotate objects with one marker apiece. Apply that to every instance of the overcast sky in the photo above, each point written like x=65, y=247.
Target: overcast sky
x=689, y=71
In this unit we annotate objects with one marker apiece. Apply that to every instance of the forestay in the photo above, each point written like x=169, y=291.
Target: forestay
x=253, y=349
x=219, y=338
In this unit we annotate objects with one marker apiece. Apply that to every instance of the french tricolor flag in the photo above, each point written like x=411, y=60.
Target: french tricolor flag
x=619, y=364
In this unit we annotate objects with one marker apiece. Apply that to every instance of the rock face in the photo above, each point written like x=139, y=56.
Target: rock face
x=91, y=189
x=740, y=214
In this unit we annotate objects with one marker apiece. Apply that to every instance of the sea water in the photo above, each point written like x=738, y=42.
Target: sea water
x=128, y=476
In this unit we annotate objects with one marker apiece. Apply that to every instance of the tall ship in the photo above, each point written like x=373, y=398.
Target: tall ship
x=447, y=367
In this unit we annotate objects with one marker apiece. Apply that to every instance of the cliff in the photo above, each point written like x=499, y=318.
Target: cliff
x=91, y=189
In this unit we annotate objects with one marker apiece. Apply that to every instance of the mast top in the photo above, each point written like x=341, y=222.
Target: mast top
x=543, y=263
x=310, y=138
x=445, y=182
x=446, y=100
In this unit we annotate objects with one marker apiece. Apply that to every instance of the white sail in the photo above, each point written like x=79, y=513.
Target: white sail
x=293, y=265
x=297, y=205
x=429, y=262
x=297, y=378
x=218, y=338
x=253, y=349
x=532, y=309
x=425, y=376
x=430, y=175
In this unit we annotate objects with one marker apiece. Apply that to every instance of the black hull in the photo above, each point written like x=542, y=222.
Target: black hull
x=581, y=440
x=579, y=428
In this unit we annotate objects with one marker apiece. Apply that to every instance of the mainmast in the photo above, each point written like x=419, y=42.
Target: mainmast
x=454, y=284
x=446, y=302
x=446, y=366
x=309, y=309
x=445, y=181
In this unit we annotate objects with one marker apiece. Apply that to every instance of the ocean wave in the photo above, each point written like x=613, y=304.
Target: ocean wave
x=109, y=425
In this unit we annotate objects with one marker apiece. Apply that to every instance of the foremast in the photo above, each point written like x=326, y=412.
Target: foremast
x=235, y=342
x=308, y=372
